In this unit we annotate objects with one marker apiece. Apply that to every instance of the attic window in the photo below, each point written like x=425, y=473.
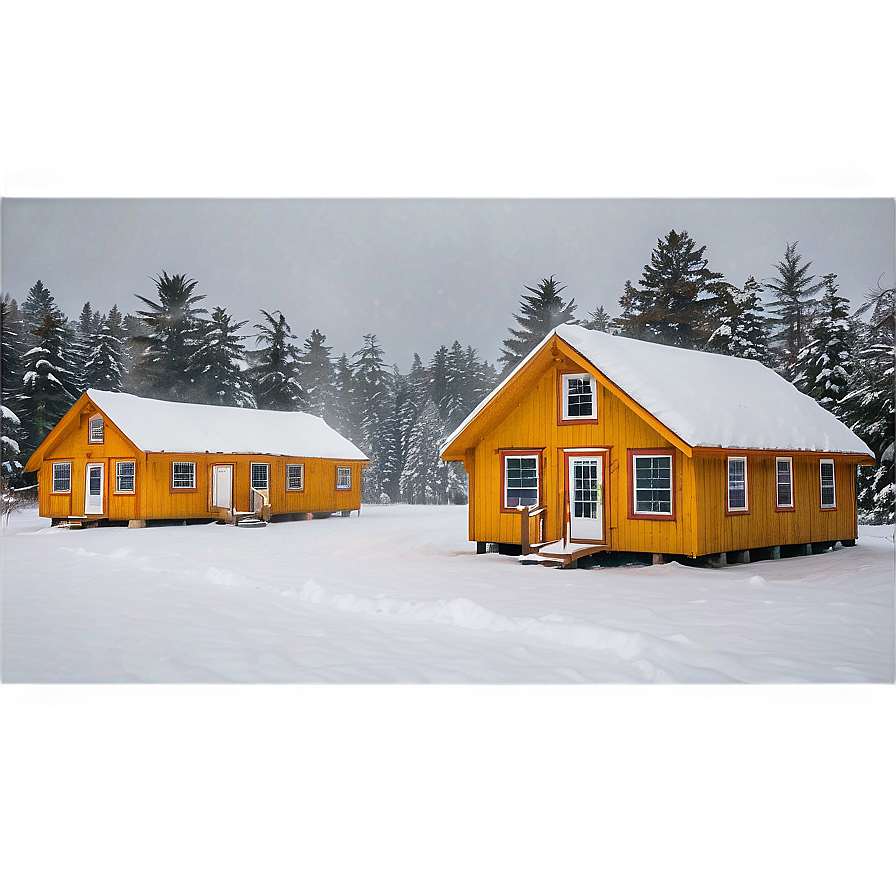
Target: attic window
x=95, y=431
x=579, y=397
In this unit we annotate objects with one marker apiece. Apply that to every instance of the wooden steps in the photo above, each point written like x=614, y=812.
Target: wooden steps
x=565, y=556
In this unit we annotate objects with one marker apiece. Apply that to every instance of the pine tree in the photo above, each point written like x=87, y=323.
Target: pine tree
x=392, y=442
x=599, y=319
x=81, y=345
x=11, y=350
x=870, y=408
x=10, y=445
x=793, y=306
x=38, y=304
x=274, y=376
x=218, y=363
x=170, y=334
x=824, y=365
x=103, y=368
x=540, y=312
x=741, y=330
x=438, y=380
x=679, y=296
x=347, y=409
x=424, y=476
x=317, y=377
x=371, y=383
x=47, y=390
x=459, y=387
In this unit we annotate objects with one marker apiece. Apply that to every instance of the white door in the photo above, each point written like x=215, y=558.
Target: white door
x=222, y=486
x=586, y=498
x=93, y=491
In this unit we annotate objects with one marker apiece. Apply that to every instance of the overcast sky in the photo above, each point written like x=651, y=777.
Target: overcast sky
x=461, y=113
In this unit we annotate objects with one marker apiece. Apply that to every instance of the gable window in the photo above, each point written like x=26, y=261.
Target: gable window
x=62, y=478
x=295, y=477
x=124, y=476
x=521, y=473
x=784, y=483
x=828, y=494
x=261, y=476
x=579, y=397
x=651, y=494
x=343, y=478
x=737, y=485
x=95, y=431
x=183, y=474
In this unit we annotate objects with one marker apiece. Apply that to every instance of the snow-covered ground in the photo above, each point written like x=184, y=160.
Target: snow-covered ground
x=397, y=594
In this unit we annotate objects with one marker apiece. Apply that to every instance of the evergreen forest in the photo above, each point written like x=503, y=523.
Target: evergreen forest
x=171, y=345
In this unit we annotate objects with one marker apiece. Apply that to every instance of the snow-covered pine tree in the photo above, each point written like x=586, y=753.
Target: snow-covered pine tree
x=540, y=311
x=218, y=365
x=870, y=409
x=47, y=391
x=679, y=296
x=12, y=348
x=438, y=380
x=10, y=444
x=371, y=383
x=392, y=443
x=482, y=378
x=824, y=365
x=37, y=305
x=347, y=409
x=81, y=346
x=115, y=322
x=274, y=374
x=317, y=377
x=742, y=328
x=459, y=387
x=103, y=368
x=599, y=319
x=169, y=335
x=424, y=479
x=793, y=305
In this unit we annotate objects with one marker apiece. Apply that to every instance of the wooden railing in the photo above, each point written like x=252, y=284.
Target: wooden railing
x=526, y=514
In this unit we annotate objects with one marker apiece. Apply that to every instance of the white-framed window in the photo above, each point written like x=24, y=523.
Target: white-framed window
x=826, y=481
x=95, y=431
x=125, y=473
x=652, y=484
x=737, y=485
x=295, y=477
x=261, y=476
x=62, y=477
x=579, y=397
x=183, y=474
x=343, y=478
x=521, y=480
x=784, y=482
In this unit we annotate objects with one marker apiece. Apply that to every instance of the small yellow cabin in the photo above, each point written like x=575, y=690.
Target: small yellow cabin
x=118, y=457
x=603, y=443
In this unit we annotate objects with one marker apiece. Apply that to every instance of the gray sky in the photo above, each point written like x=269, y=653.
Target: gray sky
x=462, y=113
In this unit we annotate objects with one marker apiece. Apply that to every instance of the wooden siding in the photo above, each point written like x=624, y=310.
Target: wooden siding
x=532, y=424
x=764, y=526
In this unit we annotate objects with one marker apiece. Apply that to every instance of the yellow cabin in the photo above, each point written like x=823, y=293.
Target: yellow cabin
x=118, y=457
x=603, y=443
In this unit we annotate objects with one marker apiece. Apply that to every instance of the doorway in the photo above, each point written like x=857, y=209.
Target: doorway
x=93, y=490
x=222, y=486
x=585, y=494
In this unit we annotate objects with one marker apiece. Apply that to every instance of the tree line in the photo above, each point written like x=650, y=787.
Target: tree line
x=795, y=321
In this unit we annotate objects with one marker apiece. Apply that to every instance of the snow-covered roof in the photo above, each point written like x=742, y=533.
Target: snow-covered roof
x=707, y=400
x=154, y=425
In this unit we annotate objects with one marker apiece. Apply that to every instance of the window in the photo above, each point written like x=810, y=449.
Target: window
x=737, y=485
x=261, y=476
x=784, y=483
x=828, y=495
x=124, y=476
x=95, y=431
x=521, y=480
x=650, y=478
x=62, y=478
x=183, y=474
x=295, y=477
x=579, y=397
x=343, y=478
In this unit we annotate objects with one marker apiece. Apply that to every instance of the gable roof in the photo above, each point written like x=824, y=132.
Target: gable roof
x=707, y=400
x=154, y=425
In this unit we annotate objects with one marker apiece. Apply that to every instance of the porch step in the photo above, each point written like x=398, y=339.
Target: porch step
x=556, y=553
x=246, y=521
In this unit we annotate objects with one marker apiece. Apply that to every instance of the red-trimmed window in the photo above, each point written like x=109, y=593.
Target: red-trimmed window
x=784, y=483
x=295, y=477
x=95, y=430
x=62, y=478
x=651, y=480
x=520, y=479
x=738, y=501
x=579, y=397
x=826, y=483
